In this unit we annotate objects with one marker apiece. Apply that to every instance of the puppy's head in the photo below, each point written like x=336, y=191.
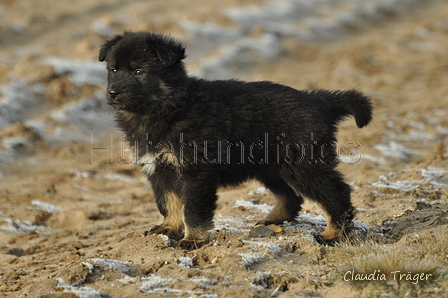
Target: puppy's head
x=146, y=74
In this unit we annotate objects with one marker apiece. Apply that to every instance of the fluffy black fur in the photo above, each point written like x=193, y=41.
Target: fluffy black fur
x=192, y=136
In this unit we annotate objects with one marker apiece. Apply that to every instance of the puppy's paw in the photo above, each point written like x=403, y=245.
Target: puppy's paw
x=165, y=230
x=327, y=241
x=190, y=244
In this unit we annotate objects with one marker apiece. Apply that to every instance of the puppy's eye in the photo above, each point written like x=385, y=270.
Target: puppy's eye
x=113, y=70
x=138, y=72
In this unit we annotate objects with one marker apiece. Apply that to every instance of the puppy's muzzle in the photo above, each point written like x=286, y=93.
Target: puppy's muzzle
x=113, y=97
x=113, y=94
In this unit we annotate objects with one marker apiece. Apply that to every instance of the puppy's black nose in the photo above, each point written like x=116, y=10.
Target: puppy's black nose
x=113, y=93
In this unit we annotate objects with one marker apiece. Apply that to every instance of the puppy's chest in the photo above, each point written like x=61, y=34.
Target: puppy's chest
x=150, y=161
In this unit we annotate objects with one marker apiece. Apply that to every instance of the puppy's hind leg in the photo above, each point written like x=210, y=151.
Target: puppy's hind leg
x=326, y=187
x=288, y=202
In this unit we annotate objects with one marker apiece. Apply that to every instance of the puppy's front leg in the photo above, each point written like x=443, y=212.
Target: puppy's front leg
x=199, y=195
x=169, y=203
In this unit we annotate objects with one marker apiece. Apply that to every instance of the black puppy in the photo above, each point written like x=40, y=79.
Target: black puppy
x=192, y=136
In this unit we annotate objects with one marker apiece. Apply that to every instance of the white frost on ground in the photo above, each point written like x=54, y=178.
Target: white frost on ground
x=166, y=239
x=362, y=226
x=45, y=206
x=304, y=20
x=18, y=101
x=85, y=116
x=120, y=177
x=204, y=281
x=265, y=208
x=315, y=20
x=377, y=160
x=251, y=258
x=273, y=246
x=155, y=284
x=82, y=292
x=79, y=72
x=405, y=185
x=232, y=224
x=313, y=219
x=434, y=173
x=88, y=265
x=238, y=55
x=18, y=226
x=394, y=149
x=185, y=262
x=435, y=177
x=109, y=264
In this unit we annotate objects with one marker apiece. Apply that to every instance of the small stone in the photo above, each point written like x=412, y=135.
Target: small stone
x=275, y=228
x=261, y=231
x=241, y=208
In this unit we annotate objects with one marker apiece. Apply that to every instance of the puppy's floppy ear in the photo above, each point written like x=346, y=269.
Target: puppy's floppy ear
x=169, y=52
x=107, y=46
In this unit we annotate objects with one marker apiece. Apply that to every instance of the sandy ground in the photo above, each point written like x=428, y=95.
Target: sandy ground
x=73, y=217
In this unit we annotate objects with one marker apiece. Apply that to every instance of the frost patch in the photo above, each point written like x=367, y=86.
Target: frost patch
x=398, y=185
x=314, y=20
x=231, y=224
x=265, y=208
x=204, y=281
x=317, y=219
x=251, y=258
x=431, y=175
x=45, y=206
x=377, y=160
x=154, y=283
x=79, y=72
x=17, y=226
x=362, y=226
x=239, y=54
x=166, y=239
x=185, y=262
x=273, y=247
x=82, y=292
x=120, y=177
x=17, y=102
x=108, y=264
x=86, y=115
x=88, y=265
x=395, y=150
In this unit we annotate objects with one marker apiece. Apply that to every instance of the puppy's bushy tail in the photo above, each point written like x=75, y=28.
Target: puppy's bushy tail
x=344, y=103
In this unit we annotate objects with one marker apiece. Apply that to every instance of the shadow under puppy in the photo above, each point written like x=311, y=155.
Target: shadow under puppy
x=192, y=136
